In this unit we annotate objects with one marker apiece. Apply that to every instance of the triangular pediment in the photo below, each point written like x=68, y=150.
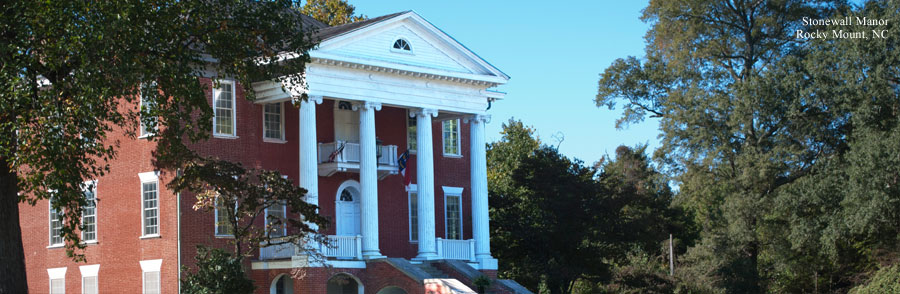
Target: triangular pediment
x=429, y=49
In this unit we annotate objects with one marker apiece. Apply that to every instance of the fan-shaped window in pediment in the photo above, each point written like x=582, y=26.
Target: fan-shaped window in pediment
x=402, y=44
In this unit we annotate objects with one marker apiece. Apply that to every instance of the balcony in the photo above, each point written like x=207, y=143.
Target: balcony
x=343, y=156
x=341, y=247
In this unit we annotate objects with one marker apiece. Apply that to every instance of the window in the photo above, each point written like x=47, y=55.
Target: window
x=453, y=213
x=89, y=213
x=57, y=280
x=413, y=214
x=450, y=130
x=223, y=106
x=150, y=192
x=411, y=133
x=89, y=284
x=223, y=224
x=146, y=106
x=56, y=217
x=150, y=276
x=276, y=211
x=273, y=121
x=401, y=44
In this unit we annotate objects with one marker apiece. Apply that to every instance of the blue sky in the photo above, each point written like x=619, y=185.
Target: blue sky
x=554, y=52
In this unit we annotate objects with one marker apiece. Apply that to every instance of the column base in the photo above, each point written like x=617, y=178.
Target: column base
x=486, y=263
x=372, y=255
x=426, y=256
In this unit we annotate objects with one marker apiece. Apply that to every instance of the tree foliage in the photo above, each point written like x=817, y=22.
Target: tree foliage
x=784, y=149
x=71, y=74
x=556, y=221
x=218, y=272
x=332, y=12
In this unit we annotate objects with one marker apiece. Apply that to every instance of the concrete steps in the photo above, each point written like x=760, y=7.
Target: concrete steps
x=432, y=271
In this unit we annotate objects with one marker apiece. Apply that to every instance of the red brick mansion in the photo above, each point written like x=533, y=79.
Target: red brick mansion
x=377, y=88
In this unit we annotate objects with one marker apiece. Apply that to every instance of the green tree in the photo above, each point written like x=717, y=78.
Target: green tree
x=218, y=272
x=556, y=221
x=782, y=148
x=331, y=12
x=70, y=73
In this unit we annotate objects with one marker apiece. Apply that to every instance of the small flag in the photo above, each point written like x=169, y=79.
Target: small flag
x=402, y=161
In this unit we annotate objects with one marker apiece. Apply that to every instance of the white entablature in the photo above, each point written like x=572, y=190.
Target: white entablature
x=359, y=62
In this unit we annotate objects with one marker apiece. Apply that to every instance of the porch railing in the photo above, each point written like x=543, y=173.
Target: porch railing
x=348, y=152
x=343, y=247
x=281, y=251
x=456, y=249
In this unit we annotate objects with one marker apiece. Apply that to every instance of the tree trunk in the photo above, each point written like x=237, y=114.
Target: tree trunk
x=12, y=255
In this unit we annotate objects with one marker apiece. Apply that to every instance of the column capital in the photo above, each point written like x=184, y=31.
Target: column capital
x=423, y=112
x=367, y=105
x=482, y=118
x=317, y=99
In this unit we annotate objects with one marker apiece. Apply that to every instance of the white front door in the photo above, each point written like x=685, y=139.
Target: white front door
x=348, y=213
x=346, y=122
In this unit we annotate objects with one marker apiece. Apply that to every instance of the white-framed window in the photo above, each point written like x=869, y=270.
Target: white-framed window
x=277, y=211
x=224, y=118
x=223, y=225
x=57, y=280
x=450, y=131
x=89, y=282
x=411, y=133
x=453, y=225
x=146, y=105
x=149, y=204
x=89, y=213
x=150, y=276
x=273, y=121
x=401, y=45
x=413, y=196
x=56, y=219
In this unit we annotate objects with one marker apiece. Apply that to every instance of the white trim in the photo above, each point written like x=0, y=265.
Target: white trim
x=57, y=273
x=89, y=270
x=458, y=153
x=50, y=225
x=233, y=110
x=455, y=192
x=281, y=124
x=149, y=176
x=409, y=196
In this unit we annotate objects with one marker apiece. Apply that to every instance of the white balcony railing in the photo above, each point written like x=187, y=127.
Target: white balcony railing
x=281, y=251
x=456, y=249
x=341, y=156
x=344, y=247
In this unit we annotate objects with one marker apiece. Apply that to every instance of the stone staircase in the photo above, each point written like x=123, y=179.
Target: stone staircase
x=432, y=271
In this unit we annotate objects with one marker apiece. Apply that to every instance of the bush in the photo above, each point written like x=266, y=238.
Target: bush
x=885, y=280
x=217, y=273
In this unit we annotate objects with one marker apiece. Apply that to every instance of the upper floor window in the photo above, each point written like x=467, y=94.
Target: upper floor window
x=150, y=208
x=401, y=44
x=224, y=119
x=223, y=223
x=89, y=213
x=275, y=219
x=453, y=213
x=146, y=106
x=56, y=218
x=413, y=214
x=411, y=133
x=273, y=121
x=450, y=130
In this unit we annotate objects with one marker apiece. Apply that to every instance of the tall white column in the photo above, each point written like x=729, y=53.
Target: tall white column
x=309, y=177
x=480, y=218
x=425, y=184
x=368, y=179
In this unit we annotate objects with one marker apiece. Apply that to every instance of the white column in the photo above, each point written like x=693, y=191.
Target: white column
x=368, y=179
x=425, y=183
x=480, y=218
x=309, y=177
